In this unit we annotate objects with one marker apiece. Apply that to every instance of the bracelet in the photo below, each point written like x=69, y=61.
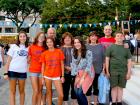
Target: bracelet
x=5, y=74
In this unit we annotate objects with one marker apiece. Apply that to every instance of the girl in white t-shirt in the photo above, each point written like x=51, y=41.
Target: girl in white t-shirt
x=16, y=67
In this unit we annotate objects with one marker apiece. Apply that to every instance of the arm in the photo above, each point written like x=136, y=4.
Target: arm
x=67, y=68
x=107, y=65
x=42, y=72
x=103, y=56
x=62, y=67
x=9, y=58
x=2, y=55
x=129, y=64
x=89, y=59
x=88, y=68
x=43, y=69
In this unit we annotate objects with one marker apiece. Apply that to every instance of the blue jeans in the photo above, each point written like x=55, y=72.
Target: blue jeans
x=81, y=97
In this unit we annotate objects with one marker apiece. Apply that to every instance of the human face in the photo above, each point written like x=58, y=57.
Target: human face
x=41, y=38
x=77, y=44
x=49, y=43
x=67, y=40
x=93, y=38
x=22, y=38
x=107, y=31
x=51, y=33
x=119, y=38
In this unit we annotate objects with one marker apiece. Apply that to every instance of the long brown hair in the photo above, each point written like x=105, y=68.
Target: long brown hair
x=54, y=44
x=27, y=39
x=66, y=34
x=36, y=39
x=83, y=48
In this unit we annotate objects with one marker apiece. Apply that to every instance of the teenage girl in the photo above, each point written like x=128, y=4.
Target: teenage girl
x=16, y=67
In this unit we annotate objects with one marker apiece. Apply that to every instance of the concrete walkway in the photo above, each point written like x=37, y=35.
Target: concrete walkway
x=131, y=93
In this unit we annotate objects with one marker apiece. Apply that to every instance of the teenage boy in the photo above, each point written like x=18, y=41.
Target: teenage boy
x=118, y=67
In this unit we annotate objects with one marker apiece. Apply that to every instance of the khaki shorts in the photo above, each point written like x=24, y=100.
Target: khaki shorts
x=118, y=79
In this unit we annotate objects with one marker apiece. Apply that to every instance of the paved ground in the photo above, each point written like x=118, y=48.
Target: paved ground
x=4, y=91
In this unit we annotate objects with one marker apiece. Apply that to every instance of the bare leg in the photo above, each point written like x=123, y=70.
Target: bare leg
x=58, y=86
x=120, y=94
x=22, y=91
x=95, y=100
x=65, y=102
x=34, y=81
x=74, y=102
x=89, y=99
x=114, y=92
x=39, y=91
x=12, y=83
x=49, y=91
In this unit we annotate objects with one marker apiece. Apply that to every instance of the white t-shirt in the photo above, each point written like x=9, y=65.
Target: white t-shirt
x=19, y=58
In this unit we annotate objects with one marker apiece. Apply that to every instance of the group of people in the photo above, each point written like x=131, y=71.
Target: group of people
x=68, y=64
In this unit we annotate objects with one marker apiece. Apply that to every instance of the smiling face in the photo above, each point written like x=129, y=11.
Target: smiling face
x=107, y=31
x=22, y=38
x=93, y=38
x=51, y=33
x=119, y=37
x=41, y=38
x=67, y=40
x=77, y=44
x=50, y=43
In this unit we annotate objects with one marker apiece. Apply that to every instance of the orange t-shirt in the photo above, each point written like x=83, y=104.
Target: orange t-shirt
x=52, y=61
x=35, y=52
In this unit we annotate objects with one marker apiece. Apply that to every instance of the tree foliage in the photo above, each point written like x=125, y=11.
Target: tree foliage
x=87, y=11
x=19, y=10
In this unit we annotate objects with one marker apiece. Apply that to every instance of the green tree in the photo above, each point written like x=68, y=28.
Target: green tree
x=71, y=11
x=19, y=10
x=87, y=11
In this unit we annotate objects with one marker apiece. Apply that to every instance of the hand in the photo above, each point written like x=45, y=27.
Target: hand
x=62, y=79
x=81, y=82
x=6, y=77
x=77, y=79
x=128, y=76
x=43, y=80
x=103, y=71
x=108, y=74
x=68, y=68
x=126, y=45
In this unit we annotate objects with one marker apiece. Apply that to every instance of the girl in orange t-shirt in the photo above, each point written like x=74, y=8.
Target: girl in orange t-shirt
x=35, y=51
x=53, y=70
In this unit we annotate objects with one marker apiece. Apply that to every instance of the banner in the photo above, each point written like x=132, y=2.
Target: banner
x=80, y=25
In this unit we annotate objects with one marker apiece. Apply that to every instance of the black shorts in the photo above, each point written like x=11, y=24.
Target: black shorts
x=16, y=75
x=94, y=86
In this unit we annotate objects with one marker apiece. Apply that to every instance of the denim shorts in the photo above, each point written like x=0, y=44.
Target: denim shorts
x=35, y=74
x=17, y=75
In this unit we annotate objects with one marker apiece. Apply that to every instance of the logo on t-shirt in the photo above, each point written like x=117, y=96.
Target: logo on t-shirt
x=22, y=53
